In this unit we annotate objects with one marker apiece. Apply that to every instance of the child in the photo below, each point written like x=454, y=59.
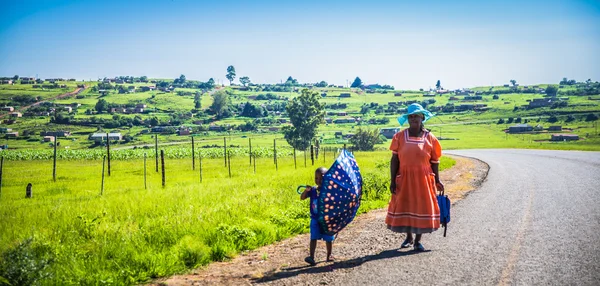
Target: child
x=315, y=231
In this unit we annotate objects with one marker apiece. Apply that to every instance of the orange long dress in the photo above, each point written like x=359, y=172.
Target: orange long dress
x=413, y=208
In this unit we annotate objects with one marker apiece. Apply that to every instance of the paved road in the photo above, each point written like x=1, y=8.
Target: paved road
x=534, y=221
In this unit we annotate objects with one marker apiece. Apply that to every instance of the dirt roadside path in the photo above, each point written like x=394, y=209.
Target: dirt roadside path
x=283, y=263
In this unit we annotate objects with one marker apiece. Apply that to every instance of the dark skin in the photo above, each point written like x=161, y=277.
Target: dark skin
x=415, y=130
x=313, y=242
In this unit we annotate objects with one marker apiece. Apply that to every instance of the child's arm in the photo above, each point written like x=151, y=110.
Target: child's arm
x=306, y=192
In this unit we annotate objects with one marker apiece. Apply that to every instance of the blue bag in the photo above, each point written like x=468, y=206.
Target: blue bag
x=444, y=204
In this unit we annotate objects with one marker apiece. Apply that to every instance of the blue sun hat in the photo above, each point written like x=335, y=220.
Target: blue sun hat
x=414, y=109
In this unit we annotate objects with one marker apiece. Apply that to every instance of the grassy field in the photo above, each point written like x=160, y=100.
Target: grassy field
x=163, y=105
x=70, y=233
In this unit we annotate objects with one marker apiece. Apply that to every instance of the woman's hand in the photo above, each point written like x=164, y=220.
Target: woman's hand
x=393, y=187
x=439, y=186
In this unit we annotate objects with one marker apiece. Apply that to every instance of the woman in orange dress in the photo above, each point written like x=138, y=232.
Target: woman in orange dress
x=415, y=179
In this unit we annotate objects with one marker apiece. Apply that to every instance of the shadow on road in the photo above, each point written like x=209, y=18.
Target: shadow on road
x=294, y=271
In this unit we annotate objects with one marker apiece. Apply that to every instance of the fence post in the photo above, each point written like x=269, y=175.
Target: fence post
x=193, y=155
x=229, y=163
x=108, y=153
x=54, y=164
x=162, y=164
x=275, y=153
x=295, y=166
x=312, y=154
x=102, y=186
x=200, y=168
x=145, y=185
x=250, y=153
x=225, y=150
x=324, y=153
x=156, y=150
x=1, y=169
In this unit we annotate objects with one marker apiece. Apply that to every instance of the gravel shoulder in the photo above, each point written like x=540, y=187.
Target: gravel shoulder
x=366, y=238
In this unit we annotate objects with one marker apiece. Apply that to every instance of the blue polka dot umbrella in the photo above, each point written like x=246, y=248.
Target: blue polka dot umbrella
x=339, y=194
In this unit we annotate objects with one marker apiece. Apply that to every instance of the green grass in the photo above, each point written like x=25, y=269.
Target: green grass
x=69, y=233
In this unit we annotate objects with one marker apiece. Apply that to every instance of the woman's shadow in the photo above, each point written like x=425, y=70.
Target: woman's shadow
x=293, y=271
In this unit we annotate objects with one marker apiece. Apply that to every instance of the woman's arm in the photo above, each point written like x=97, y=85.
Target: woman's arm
x=394, y=166
x=435, y=167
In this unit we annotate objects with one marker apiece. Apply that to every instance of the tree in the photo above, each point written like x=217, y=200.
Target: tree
x=220, y=104
x=365, y=139
x=180, y=80
x=291, y=81
x=198, y=100
x=230, y=74
x=251, y=110
x=101, y=106
x=16, y=77
x=144, y=78
x=513, y=82
x=244, y=80
x=357, y=82
x=364, y=109
x=321, y=84
x=306, y=113
x=438, y=85
x=551, y=90
x=154, y=121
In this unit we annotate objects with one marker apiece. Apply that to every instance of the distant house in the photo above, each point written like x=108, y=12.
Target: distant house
x=48, y=138
x=8, y=108
x=520, y=128
x=344, y=120
x=555, y=128
x=183, y=131
x=344, y=95
x=99, y=137
x=474, y=97
x=564, y=137
x=464, y=107
x=163, y=129
x=213, y=127
x=540, y=102
x=12, y=134
x=16, y=115
x=342, y=113
x=68, y=109
x=389, y=132
x=6, y=81
x=61, y=133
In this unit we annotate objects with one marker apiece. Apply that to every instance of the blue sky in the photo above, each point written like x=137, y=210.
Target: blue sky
x=406, y=44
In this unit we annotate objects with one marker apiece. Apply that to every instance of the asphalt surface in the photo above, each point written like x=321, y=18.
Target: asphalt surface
x=534, y=221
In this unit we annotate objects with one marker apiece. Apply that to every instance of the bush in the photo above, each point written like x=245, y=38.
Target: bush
x=591, y=117
x=26, y=264
x=365, y=139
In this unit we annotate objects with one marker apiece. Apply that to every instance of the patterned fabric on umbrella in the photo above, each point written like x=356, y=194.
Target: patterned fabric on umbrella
x=339, y=194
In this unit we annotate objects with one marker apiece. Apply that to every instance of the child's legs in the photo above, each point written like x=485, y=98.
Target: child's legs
x=313, y=246
x=329, y=245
